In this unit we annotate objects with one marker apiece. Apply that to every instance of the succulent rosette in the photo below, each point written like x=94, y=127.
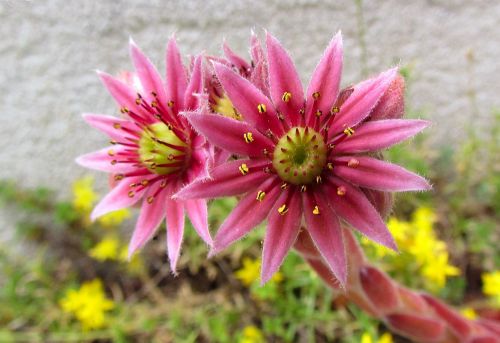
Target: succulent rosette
x=154, y=151
x=303, y=157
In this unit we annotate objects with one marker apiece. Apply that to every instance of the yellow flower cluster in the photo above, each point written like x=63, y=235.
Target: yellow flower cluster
x=84, y=198
x=250, y=272
x=88, y=304
x=251, y=334
x=491, y=285
x=111, y=249
x=385, y=338
x=418, y=239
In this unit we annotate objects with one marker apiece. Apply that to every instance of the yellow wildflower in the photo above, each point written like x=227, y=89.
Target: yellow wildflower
x=424, y=218
x=251, y=334
x=469, y=313
x=135, y=264
x=250, y=272
x=491, y=285
x=385, y=338
x=115, y=218
x=83, y=194
x=88, y=304
x=436, y=271
x=107, y=249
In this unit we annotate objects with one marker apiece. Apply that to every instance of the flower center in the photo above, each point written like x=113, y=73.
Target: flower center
x=161, y=150
x=300, y=155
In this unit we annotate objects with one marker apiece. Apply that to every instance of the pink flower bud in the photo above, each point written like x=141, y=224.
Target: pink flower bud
x=455, y=321
x=391, y=104
x=379, y=289
x=419, y=328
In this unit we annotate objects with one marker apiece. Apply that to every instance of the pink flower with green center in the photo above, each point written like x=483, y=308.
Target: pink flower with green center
x=304, y=156
x=153, y=151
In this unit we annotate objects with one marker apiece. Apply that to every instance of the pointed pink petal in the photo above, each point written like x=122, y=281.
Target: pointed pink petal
x=175, y=231
x=281, y=233
x=380, y=134
x=246, y=98
x=119, y=197
x=148, y=74
x=103, y=160
x=226, y=180
x=355, y=209
x=260, y=73
x=326, y=233
x=375, y=174
x=111, y=125
x=283, y=77
x=197, y=213
x=392, y=103
x=237, y=61
x=229, y=134
x=152, y=213
x=361, y=102
x=326, y=79
x=125, y=96
x=249, y=213
x=176, y=75
x=195, y=86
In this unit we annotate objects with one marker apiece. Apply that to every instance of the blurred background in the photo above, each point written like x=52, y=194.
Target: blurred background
x=63, y=278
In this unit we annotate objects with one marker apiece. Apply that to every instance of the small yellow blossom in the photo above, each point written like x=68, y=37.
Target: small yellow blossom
x=437, y=271
x=115, y=218
x=424, y=218
x=84, y=196
x=107, y=249
x=251, y=334
x=385, y=338
x=469, y=313
x=135, y=264
x=88, y=304
x=250, y=272
x=491, y=285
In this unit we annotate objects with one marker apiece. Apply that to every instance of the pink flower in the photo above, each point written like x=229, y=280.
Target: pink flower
x=304, y=156
x=154, y=151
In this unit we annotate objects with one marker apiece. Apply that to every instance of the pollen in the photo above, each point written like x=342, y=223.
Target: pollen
x=318, y=179
x=119, y=177
x=111, y=152
x=316, y=95
x=353, y=163
x=341, y=190
x=170, y=103
x=302, y=111
x=335, y=110
x=243, y=169
x=248, y=137
x=318, y=113
x=261, y=108
x=284, y=185
x=349, y=131
x=150, y=199
x=261, y=195
x=303, y=188
x=286, y=97
x=117, y=126
x=131, y=194
x=316, y=210
x=283, y=209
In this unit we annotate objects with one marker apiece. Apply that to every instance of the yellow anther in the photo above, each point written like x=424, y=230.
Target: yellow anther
x=335, y=110
x=283, y=209
x=302, y=111
x=329, y=165
x=163, y=183
x=280, y=116
x=138, y=101
x=113, y=162
x=150, y=199
x=144, y=182
x=131, y=194
x=316, y=95
x=117, y=126
x=286, y=97
x=243, y=169
x=303, y=188
x=341, y=190
x=319, y=113
x=261, y=195
x=152, y=165
x=284, y=185
x=349, y=131
x=331, y=145
x=111, y=152
x=316, y=210
x=170, y=103
x=119, y=177
x=353, y=163
x=248, y=137
x=318, y=179
x=261, y=108
x=154, y=103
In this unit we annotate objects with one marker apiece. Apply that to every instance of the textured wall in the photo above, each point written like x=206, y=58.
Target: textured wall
x=49, y=49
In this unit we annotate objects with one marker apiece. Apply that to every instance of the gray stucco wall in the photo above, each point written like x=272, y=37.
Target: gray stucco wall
x=49, y=49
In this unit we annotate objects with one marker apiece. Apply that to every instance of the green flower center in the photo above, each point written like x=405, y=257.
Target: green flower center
x=300, y=155
x=161, y=150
